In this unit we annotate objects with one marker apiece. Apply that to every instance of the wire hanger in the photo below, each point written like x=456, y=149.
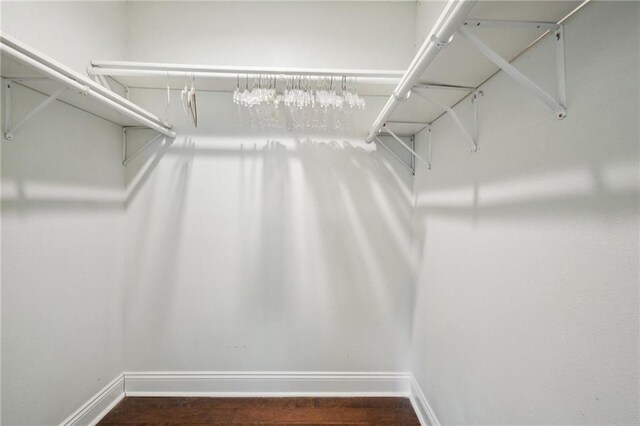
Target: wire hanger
x=184, y=94
x=191, y=102
x=166, y=109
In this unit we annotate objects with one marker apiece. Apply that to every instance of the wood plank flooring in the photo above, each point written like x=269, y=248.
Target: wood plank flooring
x=138, y=411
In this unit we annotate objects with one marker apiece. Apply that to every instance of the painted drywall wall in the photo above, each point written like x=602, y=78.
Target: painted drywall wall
x=62, y=227
x=359, y=35
x=62, y=262
x=72, y=32
x=427, y=14
x=527, y=299
x=266, y=250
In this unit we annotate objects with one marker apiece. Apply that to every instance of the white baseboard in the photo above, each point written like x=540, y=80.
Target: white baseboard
x=421, y=405
x=254, y=384
x=98, y=406
x=267, y=384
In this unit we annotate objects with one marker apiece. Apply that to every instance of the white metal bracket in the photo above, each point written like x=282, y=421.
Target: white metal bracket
x=429, y=147
x=495, y=23
x=102, y=80
x=471, y=138
x=423, y=125
x=557, y=105
x=125, y=142
x=10, y=129
x=411, y=150
x=394, y=155
x=467, y=89
x=440, y=44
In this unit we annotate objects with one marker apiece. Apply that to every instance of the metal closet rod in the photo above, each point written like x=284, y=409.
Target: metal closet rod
x=448, y=23
x=138, y=68
x=31, y=59
x=129, y=72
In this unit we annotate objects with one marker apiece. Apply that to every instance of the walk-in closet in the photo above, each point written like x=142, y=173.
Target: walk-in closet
x=390, y=212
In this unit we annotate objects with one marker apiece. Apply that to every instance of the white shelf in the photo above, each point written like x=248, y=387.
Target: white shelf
x=23, y=65
x=461, y=64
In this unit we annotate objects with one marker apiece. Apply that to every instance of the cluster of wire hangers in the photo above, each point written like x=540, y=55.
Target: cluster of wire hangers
x=298, y=91
x=187, y=99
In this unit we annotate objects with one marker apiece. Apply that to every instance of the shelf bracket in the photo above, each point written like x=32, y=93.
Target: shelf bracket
x=125, y=142
x=11, y=129
x=429, y=146
x=394, y=155
x=413, y=158
x=102, y=80
x=558, y=105
x=496, y=23
x=412, y=151
x=423, y=125
x=472, y=139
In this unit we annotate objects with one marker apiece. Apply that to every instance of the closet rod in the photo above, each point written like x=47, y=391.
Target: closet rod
x=83, y=89
x=440, y=36
x=99, y=67
x=130, y=72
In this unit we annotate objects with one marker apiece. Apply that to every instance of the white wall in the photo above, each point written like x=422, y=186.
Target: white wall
x=211, y=285
x=427, y=14
x=62, y=262
x=360, y=35
x=527, y=299
x=62, y=227
x=72, y=32
x=266, y=250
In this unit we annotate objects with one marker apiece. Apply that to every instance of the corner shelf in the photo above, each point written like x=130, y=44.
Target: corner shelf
x=460, y=64
x=461, y=68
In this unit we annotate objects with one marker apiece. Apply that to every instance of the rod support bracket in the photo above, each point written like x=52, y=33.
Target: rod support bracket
x=439, y=43
x=401, y=98
x=476, y=95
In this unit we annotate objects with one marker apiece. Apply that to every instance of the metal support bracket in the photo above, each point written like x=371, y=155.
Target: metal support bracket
x=413, y=158
x=422, y=125
x=400, y=98
x=467, y=89
x=411, y=150
x=558, y=105
x=475, y=100
x=472, y=139
x=11, y=129
x=125, y=142
x=440, y=44
x=429, y=146
x=394, y=155
x=495, y=23
x=103, y=80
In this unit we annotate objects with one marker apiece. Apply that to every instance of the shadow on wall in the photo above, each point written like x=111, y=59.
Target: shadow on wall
x=296, y=237
x=338, y=219
x=63, y=161
x=528, y=175
x=512, y=178
x=528, y=249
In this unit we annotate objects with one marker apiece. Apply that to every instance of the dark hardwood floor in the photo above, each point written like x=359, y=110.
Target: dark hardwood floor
x=263, y=411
